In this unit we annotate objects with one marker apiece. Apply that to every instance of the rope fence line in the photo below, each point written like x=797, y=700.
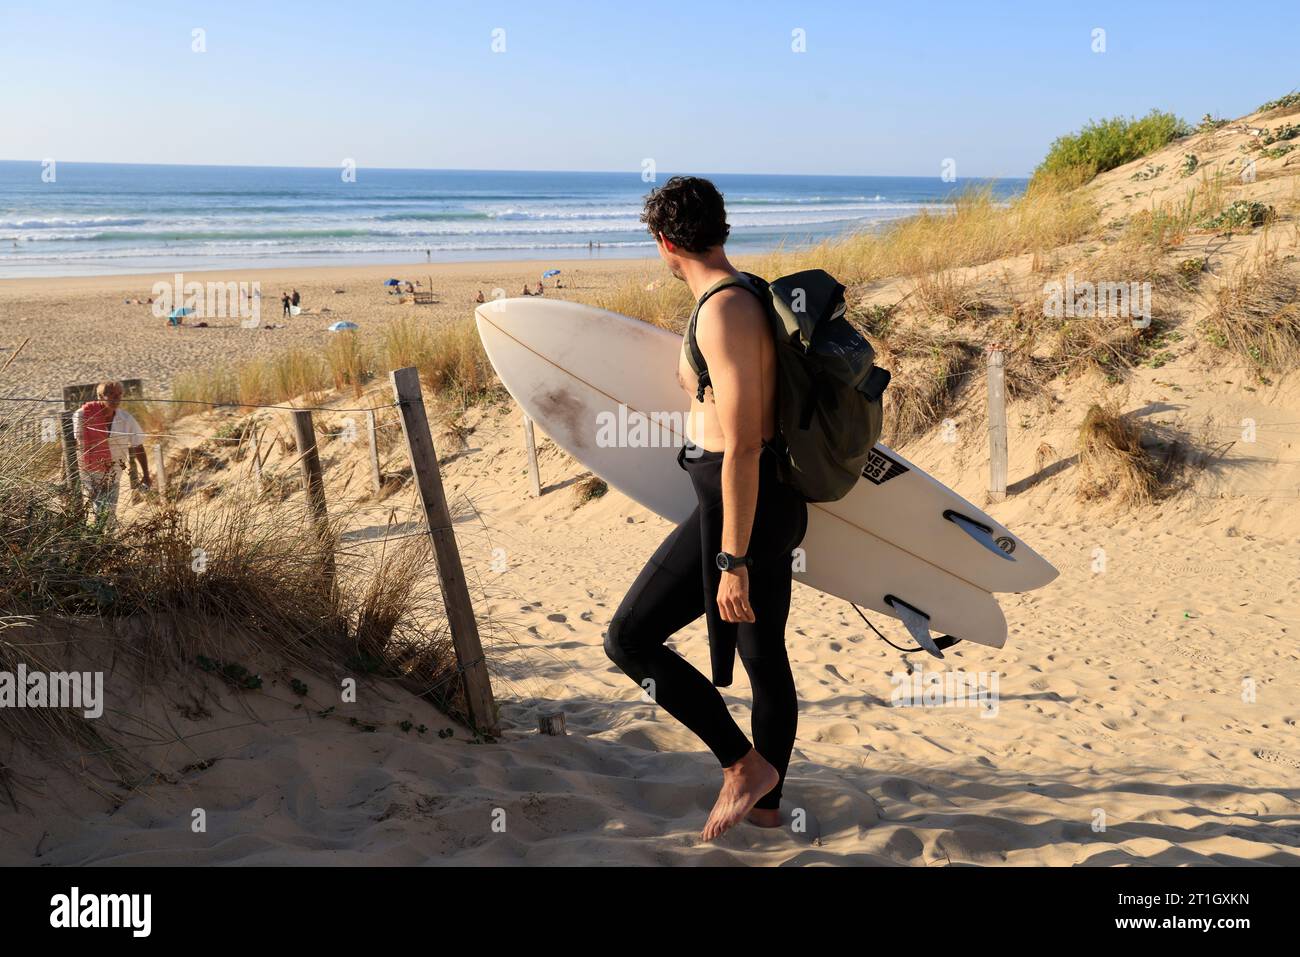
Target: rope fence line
x=214, y=405
x=238, y=441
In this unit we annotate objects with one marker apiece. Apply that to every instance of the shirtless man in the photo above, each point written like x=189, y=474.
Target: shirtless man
x=731, y=559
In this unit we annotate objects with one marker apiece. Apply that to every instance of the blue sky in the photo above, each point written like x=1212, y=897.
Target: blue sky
x=884, y=88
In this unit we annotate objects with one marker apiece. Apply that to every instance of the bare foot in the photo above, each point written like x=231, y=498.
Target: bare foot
x=742, y=785
x=765, y=817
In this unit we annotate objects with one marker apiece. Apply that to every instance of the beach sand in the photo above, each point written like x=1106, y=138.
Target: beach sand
x=127, y=341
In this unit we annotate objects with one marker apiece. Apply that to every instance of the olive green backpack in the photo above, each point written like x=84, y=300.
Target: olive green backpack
x=828, y=386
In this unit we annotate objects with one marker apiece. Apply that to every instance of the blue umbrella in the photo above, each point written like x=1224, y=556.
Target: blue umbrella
x=343, y=325
x=549, y=273
x=178, y=313
x=393, y=282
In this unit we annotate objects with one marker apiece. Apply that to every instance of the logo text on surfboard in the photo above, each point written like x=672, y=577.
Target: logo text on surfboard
x=880, y=468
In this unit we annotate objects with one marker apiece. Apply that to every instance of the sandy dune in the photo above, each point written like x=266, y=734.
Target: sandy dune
x=1119, y=694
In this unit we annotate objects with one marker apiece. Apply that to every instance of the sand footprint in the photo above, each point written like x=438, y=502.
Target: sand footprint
x=1277, y=757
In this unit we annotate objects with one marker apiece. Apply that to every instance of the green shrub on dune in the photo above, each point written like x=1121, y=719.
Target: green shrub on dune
x=1287, y=102
x=1103, y=145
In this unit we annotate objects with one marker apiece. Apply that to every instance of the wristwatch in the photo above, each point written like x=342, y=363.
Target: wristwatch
x=728, y=562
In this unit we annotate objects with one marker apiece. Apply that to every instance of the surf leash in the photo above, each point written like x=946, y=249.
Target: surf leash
x=943, y=641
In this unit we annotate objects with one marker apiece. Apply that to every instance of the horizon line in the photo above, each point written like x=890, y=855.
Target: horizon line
x=450, y=169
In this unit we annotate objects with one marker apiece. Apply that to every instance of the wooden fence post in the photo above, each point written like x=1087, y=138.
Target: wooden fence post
x=997, y=427
x=71, y=473
x=531, y=446
x=552, y=723
x=313, y=482
x=376, y=477
x=451, y=574
x=257, y=456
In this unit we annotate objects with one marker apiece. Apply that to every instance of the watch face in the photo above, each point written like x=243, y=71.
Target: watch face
x=722, y=561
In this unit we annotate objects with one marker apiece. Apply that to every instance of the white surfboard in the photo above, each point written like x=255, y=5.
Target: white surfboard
x=604, y=387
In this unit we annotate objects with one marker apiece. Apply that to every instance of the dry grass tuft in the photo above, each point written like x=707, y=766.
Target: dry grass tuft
x=1099, y=344
x=592, y=487
x=945, y=293
x=1256, y=316
x=1113, y=462
x=929, y=370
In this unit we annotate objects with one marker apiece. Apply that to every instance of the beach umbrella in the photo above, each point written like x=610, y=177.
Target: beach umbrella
x=549, y=273
x=179, y=313
x=343, y=326
x=393, y=282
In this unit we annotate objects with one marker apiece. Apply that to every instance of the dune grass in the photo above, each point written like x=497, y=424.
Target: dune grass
x=272, y=380
x=665, y=303
x=1256, y=314
x=450, y=359
x=1166, y=225
x=350, y=361
x=974, y=229
x=929, y=370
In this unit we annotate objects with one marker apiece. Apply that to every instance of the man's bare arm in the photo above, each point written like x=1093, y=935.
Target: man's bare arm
x=730, y=339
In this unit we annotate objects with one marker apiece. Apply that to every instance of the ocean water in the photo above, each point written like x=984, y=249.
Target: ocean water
x=96, y=218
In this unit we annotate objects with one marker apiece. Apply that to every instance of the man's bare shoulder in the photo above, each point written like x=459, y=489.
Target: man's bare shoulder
x=734, y=308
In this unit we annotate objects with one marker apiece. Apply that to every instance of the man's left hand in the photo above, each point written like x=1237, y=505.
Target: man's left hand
x=733, y=596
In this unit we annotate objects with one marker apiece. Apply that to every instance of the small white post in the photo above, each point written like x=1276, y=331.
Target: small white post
x=997, y=427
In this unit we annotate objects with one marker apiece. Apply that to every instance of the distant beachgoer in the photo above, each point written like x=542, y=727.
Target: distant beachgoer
x=295, y=298
x=409, y=287
x=539, y=290
x=428, y=255
x=479, y=297
x=106, y=435
x=285, y=301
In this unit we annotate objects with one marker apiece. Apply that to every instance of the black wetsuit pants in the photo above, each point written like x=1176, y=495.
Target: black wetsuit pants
x=680, y=583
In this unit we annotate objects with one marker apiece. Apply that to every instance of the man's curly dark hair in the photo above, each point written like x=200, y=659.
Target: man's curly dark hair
x=689, y=212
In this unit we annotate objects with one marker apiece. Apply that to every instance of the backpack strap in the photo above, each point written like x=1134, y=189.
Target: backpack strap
x=694, y=357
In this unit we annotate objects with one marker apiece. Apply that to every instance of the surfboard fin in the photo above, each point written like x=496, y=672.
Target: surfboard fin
x=917, y=624
x=978, y=531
